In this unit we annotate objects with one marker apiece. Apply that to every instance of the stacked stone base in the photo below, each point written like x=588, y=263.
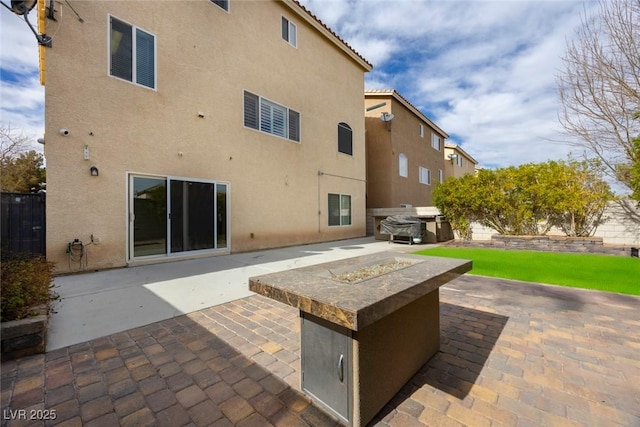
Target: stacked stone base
x=24, y=337
x=547, y=244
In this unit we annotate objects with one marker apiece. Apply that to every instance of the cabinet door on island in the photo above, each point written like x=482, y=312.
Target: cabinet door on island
x=326, y=364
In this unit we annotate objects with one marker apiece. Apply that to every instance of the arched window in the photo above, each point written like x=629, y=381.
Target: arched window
x=345, y=139
x=403, y=165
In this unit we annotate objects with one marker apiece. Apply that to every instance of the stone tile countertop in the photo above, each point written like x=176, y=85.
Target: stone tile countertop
x=321, y=289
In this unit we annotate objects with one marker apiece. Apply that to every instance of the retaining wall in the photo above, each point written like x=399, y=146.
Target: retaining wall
x=548, y=244
x=25, y=337
x=621, y=228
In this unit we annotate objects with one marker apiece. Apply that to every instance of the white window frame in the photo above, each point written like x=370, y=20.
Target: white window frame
x=271, y=114
x=292, y=32
x=436, y=142
x=273, y=105
x=131, y=258
x=440, y=176
x=341, y=197
x=403, y=165
x=424, y=176
x=134, y=29
x=421, y=130
x=459, y=160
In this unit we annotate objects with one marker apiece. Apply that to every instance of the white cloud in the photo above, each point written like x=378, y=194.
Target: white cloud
x=484, y=71
x=21, y=95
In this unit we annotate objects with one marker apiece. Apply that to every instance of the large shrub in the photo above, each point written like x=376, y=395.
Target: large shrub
x=458, y=209
x=578, y=208
x=528, y=199
x=25, y=283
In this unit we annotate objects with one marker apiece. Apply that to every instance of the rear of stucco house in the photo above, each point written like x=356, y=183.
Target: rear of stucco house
x=405, y=162
x=198, y=128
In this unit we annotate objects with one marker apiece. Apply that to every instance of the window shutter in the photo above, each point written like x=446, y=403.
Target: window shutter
x=345, y=139
x=279, y=121
x=121, y=50
x=265, y=117
x=250, y=110
x=145, y=59
x=294, y=126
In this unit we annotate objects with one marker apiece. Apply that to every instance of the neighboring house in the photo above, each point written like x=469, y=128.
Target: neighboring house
x=457, y=161
x=405, y=159
x=196, y=128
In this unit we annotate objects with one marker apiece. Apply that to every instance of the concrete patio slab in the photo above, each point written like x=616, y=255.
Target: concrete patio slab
x=101, y=303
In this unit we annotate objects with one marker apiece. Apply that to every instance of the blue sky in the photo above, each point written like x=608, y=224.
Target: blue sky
x=483, y=71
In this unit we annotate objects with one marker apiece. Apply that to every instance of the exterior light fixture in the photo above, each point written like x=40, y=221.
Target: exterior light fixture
x=94, y=171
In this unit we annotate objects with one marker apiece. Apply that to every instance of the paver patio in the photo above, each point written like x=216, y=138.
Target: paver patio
x=512, y=354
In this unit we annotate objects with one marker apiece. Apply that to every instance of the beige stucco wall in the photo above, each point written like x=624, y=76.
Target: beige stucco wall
x=385, y=186
x=451, y=168
x=206, y=57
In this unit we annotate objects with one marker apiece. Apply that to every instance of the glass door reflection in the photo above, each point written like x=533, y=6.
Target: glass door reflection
x=149, y=219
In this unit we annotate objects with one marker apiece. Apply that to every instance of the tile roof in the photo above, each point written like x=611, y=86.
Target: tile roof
x=340, y=41
x=395, y=94
x=459, y=148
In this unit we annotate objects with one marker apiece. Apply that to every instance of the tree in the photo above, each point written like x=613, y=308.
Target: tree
x=578, y=208
x=456, y=203
x=599, y=87
x=23, y=174
x=22, y=171
x=11, y=143
x=634, y=171
x=527, y=200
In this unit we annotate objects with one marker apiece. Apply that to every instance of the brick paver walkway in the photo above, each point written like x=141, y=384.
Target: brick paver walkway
x=512, y=354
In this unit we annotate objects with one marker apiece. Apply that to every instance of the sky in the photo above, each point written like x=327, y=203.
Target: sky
x=483, y=71
x=21, y=95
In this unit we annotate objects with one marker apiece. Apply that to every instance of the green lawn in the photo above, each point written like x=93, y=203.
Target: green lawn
x=601, y=272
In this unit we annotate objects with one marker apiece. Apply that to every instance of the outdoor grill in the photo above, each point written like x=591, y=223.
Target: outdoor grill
x=403, y=226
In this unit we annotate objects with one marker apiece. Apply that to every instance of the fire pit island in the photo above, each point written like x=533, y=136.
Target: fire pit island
x=367, y=325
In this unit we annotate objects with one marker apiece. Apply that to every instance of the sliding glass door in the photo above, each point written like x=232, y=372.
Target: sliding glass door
x=192, y=216
x=149, y=215
x=176, y=215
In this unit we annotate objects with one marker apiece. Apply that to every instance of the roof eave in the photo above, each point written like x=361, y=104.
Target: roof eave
x=461, y=150
x=312, y=20
x=394, y=93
